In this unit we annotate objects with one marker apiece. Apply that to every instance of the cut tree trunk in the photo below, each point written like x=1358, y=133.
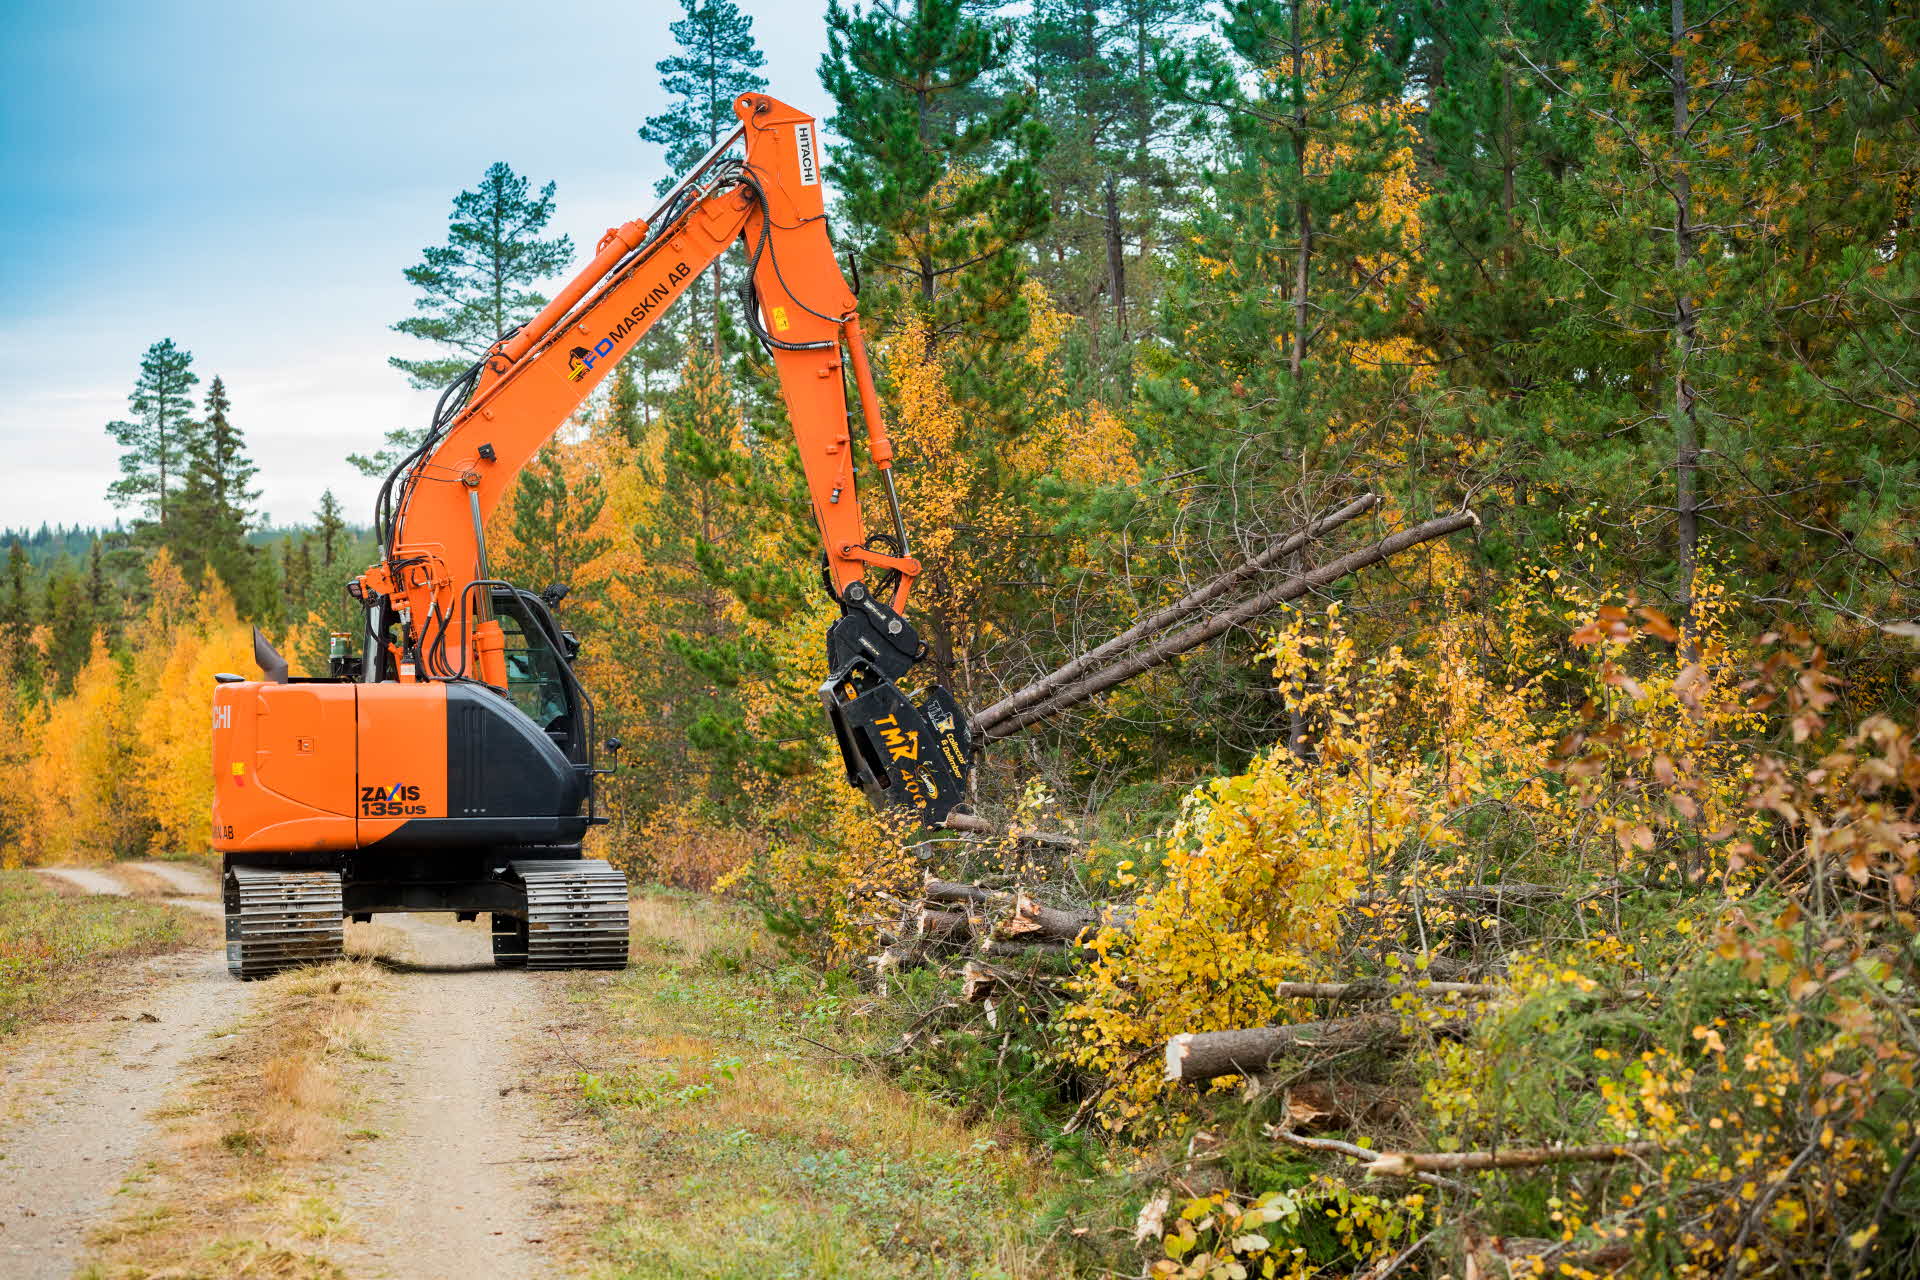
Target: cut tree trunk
x=973, y=825
x=953, y=891
x=1378, y=989
x=947, y=926
x=1034, y=921
x=1161, y=619
x=1192, y=637
x=1207, y=1055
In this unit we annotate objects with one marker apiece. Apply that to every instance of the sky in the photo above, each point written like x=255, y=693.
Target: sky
x=251, y=179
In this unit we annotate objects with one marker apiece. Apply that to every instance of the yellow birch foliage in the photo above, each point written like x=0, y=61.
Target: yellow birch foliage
x=174, y=780
x=85, y=808
x=1414, y=747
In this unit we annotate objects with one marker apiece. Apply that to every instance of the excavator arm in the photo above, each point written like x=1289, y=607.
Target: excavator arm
x=429, y=599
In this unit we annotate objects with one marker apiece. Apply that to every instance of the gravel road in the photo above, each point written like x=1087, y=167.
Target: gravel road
x=94, y=1093
x=452, y=1187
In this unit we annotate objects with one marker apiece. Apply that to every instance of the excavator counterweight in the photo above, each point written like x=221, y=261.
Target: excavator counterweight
x=451, y=764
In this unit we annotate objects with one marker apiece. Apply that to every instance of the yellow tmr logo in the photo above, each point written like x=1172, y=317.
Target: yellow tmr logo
x=901, y=744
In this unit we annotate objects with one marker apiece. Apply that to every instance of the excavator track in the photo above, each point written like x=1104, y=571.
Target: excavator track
x=281, y=919
x=576, y=916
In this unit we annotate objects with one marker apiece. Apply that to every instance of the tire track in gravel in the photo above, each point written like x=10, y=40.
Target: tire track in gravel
x=455, y=1185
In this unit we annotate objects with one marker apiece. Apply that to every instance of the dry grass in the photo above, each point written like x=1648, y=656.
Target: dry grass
x=63, y=953
x=238, y=1191
x=140, y=882
x=738, y=1148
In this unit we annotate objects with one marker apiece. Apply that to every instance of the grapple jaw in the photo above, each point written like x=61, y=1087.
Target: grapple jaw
x=913, y=757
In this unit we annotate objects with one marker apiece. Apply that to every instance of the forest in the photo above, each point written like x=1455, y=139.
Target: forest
x=1535, y=899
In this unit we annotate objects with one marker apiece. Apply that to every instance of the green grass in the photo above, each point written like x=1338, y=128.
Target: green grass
x=739, y=1148
x=52, y=945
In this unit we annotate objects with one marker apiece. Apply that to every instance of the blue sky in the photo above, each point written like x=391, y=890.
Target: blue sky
x=250, y=179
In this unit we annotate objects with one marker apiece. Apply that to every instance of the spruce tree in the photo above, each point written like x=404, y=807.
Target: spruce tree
x=329, y=527
x=216, y=501
x=155, y=442
x=626, y=408
x=937, y=173
x=552, y=522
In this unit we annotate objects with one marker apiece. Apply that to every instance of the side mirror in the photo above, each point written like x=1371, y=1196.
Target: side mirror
x=613, y=746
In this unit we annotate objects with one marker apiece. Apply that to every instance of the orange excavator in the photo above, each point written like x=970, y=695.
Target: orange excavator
x=450, y=763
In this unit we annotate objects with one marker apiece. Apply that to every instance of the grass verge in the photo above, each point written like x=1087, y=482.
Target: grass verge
x=55, y=946
x=744, y=1144
x=240, y=1189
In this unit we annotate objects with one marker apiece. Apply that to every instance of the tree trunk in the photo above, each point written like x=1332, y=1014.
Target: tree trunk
x=1035, y=920
x=1192, y=637
x=1116, y=262
x=1686, y=427
x=1206, y=1055
x=1303, y=214
x=1160, y=619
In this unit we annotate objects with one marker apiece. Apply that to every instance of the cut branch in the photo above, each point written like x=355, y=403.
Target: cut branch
x=1160, y=619
x=1173, y=646
x=1404, y=1164
x=1337, y=1147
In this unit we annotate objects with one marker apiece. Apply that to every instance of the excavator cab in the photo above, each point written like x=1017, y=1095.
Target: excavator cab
x=540, y=680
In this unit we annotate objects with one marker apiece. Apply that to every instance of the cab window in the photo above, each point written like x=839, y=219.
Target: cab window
x=535, y=682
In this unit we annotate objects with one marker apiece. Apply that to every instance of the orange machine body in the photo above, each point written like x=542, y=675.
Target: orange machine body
x=325, y=766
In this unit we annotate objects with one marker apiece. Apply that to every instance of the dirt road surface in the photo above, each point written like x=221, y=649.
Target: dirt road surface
x=93, y=1095
x=86, y=879
x=452, y=1187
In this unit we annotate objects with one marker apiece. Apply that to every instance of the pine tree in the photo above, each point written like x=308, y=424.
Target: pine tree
x=154, y=444
x=480, y=283
x=1097, y=68
x=474, y=288
x=718, y=61
x=937, y=173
